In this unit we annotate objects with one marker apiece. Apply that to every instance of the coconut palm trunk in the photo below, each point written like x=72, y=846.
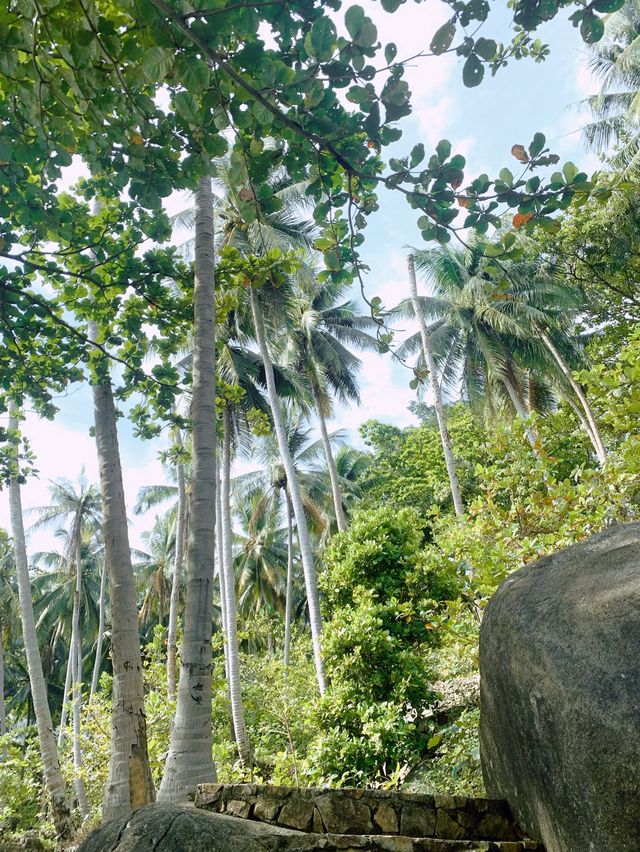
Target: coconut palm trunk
x=129, y=783
x=189, y=761
x=54, y=782
x=341, y=520
x=95, y=677
x=441, y=416
x=588, y=413
x=65, y=696
x=237, y=707
x=221, y=580
x=76, y=707
x=288, y=600
x=178, y=560
x=306, y=554
x=3, y=712
x=520, y=408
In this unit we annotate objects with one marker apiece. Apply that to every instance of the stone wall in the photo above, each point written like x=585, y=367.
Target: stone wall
x=362, y=812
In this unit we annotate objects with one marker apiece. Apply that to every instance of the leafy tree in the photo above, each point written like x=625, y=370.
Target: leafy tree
x=380, y=596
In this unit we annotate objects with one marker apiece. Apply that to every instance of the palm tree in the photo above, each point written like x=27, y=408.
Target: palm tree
x=154, y=567
x=616, y=108
x=429, y=360
x=82, y=511
x=54, y=782
x=486, y=330
x=322, y=328
x=189, y=761
x=252, y=230
x=129, y=782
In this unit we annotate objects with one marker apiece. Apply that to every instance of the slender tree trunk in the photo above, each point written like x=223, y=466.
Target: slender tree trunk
x=237, y=707
x=96, y=665
x=3, y=713
x=341, y=521
x=521, y=409
x=189, y=761
x=172, y=631
x=129, y=783
x=577, y=410
x=441, y=416
x=296, y=499
x=54, y=782
x=221, y=579
x=591, y=420
x=65, y=697
x=288, y=601
x=76, y=706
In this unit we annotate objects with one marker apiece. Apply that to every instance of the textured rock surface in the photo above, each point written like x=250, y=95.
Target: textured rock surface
x=560, y=695
x=168, y=828
x=356, y=811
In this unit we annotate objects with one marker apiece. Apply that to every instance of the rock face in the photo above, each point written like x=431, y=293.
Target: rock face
x=560, y=695
x=169, y=828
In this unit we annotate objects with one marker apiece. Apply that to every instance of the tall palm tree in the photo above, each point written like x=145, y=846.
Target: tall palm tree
x=429, y=360
x=153, y=569
x=189, y=761
x=322, y=329
x=54, y=781
x=81, y=510
x=129, y=782
x=615, y=61
x=486, y=330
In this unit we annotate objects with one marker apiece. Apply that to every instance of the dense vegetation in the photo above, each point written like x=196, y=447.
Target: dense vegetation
x=346, y=582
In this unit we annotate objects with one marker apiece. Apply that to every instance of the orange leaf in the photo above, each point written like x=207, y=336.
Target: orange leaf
x=246, y=194
x=464, y=201
x=520, y=153
x=521, y=219
x=137, y=139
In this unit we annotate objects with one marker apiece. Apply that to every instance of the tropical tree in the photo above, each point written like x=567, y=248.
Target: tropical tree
x=54, y=781
x=81, y=511
x=322, y=329
x=9, y=615
x=189, y=761
x=615, y=109
x=488, y=330
x=429, y=361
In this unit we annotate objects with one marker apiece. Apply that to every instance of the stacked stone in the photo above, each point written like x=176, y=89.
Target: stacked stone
x=365, y=813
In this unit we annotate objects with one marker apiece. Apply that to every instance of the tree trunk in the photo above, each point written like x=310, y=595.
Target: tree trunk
x=3, y=713
x=341, y=521
x=288, y=601
x=237, y=707
x=189, y=761
x=591, y=420
x=76, y=707
x=129, y=783
x=221, y=580
x=430, y=364
x=172, y=631
x=521, y=410
x=65, y=697
x=54, y=782
x=294, y=490
x=96, y=665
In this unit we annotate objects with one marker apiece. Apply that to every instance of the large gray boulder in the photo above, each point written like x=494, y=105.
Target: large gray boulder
x=170, y=828
x=560, y=695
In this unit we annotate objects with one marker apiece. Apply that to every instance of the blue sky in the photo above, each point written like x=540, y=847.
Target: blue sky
x=482, y=123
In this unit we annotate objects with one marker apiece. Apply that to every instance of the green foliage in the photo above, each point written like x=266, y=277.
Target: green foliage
x=381, y=599
x=407, y=467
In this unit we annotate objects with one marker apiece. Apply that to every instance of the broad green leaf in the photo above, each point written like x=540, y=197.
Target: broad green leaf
x=320, y=41
x=486, y=48
x=537, y=144
x=194, y=74
x=187, y=107
x=390, y=53
x=443, y=150
x=591, y=28
x=472, y=71
x=443, y=38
